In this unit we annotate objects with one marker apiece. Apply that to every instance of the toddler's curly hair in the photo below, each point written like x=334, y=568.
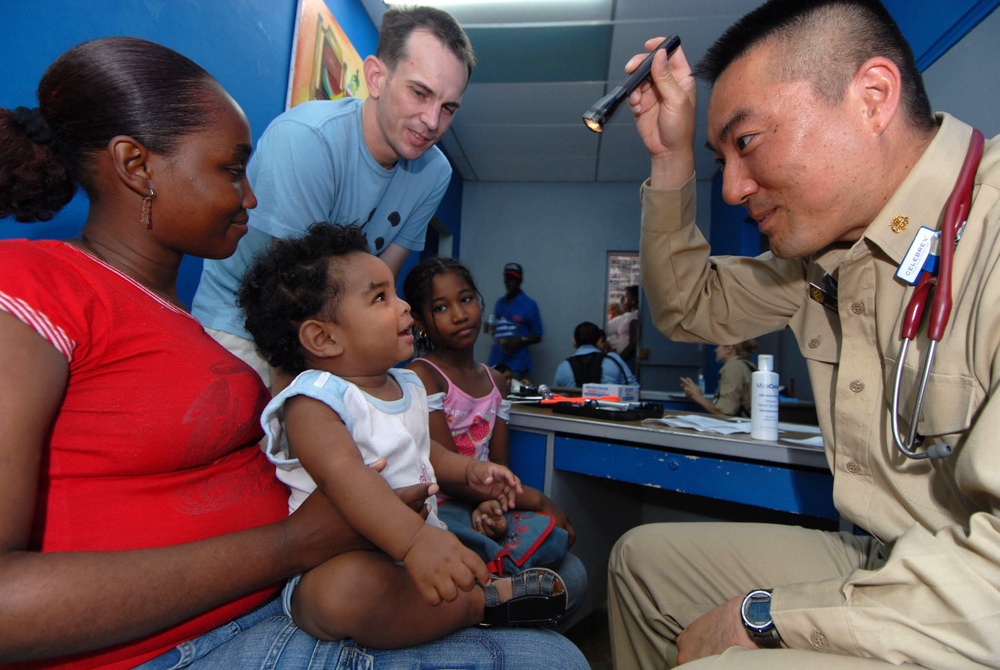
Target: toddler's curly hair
x=292, y=282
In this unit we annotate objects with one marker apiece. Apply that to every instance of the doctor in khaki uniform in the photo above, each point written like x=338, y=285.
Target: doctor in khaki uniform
x=840, y=171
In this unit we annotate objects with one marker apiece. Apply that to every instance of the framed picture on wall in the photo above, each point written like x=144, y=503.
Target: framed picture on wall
x=621, y=327
x=325, y=65
x=623, y=270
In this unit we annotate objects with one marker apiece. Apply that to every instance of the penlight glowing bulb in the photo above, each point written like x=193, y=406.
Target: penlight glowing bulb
x=601, y=111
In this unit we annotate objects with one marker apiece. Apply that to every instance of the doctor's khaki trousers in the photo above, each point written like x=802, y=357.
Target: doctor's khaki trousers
x=663, y=576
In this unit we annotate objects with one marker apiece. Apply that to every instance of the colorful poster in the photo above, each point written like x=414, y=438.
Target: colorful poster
x=623, y=271
x=325, y=65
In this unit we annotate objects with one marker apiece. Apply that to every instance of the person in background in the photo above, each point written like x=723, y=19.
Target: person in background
x=516, y=325
x=820, y=121
x=468, y=412
x=611, y=324
x=627, y=326
x=735, y=381
x=507, y=377
x=602, y=342
x=325, y=310
x=590, y=364
x=513, y=385
x=139, y=511
x=370, y=162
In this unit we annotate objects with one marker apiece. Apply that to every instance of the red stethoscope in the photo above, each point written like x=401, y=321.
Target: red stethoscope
x=937, y=289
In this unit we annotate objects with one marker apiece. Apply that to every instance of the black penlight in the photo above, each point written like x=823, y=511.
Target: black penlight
x=601, y=111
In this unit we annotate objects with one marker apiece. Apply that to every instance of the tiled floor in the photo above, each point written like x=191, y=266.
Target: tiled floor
x=591, y=636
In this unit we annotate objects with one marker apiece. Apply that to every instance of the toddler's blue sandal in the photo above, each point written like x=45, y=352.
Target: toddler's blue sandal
x=539, y=600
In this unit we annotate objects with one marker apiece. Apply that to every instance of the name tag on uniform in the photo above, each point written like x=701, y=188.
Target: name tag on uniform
x=920, y=256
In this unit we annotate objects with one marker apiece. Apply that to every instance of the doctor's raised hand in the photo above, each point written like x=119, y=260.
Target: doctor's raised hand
x=664, y=109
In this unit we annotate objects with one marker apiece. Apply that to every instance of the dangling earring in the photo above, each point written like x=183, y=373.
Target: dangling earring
x=147, y=210
x=420, y=339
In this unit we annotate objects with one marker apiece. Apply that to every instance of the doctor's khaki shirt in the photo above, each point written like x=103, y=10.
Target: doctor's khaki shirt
x=936, y=600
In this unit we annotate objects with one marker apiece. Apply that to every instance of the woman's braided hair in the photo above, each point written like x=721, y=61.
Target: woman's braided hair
x=93, y=92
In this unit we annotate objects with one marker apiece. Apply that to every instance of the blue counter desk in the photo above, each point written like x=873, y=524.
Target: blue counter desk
x=611, y=476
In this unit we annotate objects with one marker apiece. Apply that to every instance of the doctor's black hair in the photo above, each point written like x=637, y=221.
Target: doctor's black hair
x=823, y=42
x=292, y=282
x=417, y=289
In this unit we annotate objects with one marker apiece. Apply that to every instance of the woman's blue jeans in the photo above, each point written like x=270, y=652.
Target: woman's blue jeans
x=266, y=638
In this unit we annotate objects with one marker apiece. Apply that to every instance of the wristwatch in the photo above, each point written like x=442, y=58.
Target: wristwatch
x=756, y=613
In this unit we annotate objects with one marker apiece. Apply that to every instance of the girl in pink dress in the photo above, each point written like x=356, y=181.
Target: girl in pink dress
x=468, y=412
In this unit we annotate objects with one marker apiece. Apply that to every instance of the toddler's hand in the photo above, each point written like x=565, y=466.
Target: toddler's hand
x=489, y=520
x=440, y=565
x=494, y=480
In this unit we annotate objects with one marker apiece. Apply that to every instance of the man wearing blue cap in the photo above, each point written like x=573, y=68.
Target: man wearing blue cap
x=516, y=325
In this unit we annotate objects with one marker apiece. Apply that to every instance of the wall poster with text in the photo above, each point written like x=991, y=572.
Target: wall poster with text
x=623, y=270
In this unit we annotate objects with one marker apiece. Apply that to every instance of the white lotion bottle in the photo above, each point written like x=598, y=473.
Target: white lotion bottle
x=764, y=400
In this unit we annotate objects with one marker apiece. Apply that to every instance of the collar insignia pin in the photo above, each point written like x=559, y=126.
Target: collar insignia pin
x=899, y=223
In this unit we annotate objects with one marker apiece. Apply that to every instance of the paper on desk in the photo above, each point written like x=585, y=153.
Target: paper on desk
x=705, y=424
x=815, y=441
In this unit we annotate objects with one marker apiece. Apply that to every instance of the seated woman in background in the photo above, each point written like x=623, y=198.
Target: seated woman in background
x=139, y=512
x=626, y=327
x=611, y=324
x=733, y=397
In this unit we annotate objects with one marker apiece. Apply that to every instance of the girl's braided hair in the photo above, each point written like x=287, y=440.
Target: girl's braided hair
x=417, y=290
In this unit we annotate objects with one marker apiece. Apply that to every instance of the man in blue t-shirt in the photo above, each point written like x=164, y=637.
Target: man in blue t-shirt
x=371, y=163
x=517, y=324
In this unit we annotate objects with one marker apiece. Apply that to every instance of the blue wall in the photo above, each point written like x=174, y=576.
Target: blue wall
x=932, y=27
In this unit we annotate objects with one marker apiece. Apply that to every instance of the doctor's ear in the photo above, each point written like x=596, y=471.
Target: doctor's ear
x=879, y=85
x=320, y=338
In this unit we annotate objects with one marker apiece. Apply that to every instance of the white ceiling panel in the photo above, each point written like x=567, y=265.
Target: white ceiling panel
x=709, y=10
x=537, y=139
x=531, y=11
x=530, y=103
x=537, y=168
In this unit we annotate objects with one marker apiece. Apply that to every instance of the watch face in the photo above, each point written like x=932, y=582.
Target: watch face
x=758, y=611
